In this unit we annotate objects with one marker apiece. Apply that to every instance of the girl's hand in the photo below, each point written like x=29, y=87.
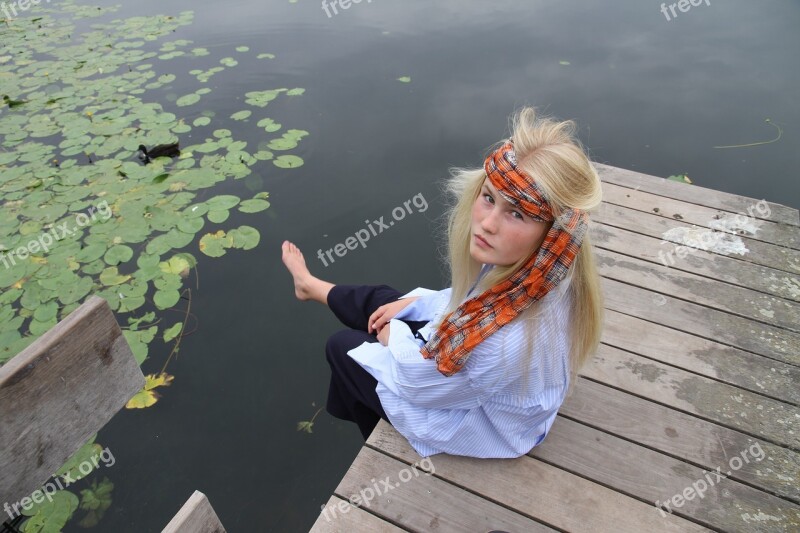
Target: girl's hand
x=385, y=313
x=383, y=335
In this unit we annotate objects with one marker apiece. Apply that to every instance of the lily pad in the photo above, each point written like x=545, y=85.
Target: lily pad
x=288, y=161
x=187, y=100
x=241, y=115
x=172, y=332
x=52, y=514
x=148, y=395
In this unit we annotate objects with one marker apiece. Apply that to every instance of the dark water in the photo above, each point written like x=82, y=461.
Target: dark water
x=648, y=94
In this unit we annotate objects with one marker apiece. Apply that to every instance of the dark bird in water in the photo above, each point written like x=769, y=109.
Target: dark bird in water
x=162, y=150
x=13, y=103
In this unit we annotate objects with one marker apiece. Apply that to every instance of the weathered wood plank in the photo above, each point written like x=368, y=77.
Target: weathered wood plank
x=539, y=490
x=755, y=337
x=196, y=516
x=745, y=223
x=423, y=502
x=761, y=253
x=683, y=436
x=350, y=519
x=736, y=367
x=740, y=301
x=724, y=268
x=726, y=504
x=692, y=193
x=724, y=404
x=58, y=392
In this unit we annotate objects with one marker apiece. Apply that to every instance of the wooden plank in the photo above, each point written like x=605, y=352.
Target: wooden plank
x=746, y=303
x=769, y=341
x=726, y=505
x=348, y=519
x=745, y=223
x=58, y=392
x=539, y=490
x=726, y=405
x=683, y=436
x=730, y=365
x=692, y=193
x=761, y=253
x=196, y=516
x=423, y=502
x=724, y=268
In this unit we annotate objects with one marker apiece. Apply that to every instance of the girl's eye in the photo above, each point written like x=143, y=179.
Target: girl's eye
x=489, y=196
x=519, y=215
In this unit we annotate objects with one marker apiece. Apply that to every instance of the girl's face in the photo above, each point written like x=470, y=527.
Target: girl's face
x=508, y=234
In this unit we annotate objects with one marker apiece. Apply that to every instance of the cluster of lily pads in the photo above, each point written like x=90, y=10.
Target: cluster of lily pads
x=72, y=116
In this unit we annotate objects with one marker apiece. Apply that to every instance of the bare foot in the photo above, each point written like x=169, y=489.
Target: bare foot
x=306, y=286
x=296, y=264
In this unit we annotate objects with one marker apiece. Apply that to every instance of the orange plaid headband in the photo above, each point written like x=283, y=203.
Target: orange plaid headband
x=477, y=318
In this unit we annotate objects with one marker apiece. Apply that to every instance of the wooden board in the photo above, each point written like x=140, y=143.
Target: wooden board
x=538, y=490
x=746, y=303
x=424, y=502
x=697, y=261
x=772, y=342
x=58, y=392
x=758, y=252
x=653, y=477
x=693, y=194
x=705, y=357
x=196, y=516
x=746, y=223
x=682, y=436
x=349, y=519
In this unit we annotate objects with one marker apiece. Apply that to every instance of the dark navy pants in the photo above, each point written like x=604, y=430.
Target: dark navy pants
x=352, y=395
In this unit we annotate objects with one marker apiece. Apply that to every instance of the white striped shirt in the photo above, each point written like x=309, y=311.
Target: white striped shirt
x=481, y=410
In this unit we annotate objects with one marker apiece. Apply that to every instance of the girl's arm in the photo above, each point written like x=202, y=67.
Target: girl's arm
x=386, y=312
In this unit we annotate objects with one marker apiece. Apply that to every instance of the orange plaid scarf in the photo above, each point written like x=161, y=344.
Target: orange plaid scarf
x=477, y=318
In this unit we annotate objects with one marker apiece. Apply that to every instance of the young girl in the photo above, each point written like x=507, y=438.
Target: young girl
x=481, y=368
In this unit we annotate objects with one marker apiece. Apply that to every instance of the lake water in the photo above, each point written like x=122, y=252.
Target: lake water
x=649, y=94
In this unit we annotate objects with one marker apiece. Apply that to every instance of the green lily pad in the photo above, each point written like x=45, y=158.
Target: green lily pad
x=288, y=161
x=187, y=100
x=218, y=216
x=241, y=115
x=174, y=331
x=245, y=237
x=253, y=206
x=176, y=265
x=111, y=276
x=52, y=514
x=118, y=254
x=166, y=299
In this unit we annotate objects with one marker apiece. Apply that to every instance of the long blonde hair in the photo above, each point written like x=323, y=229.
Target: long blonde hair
x=549, y=151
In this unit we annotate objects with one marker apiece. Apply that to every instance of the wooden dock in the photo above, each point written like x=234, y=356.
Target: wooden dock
x=691, y=401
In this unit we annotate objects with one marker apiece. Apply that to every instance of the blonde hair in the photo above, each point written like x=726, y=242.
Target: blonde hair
x=549, y=151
